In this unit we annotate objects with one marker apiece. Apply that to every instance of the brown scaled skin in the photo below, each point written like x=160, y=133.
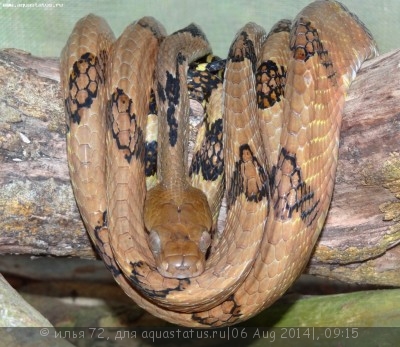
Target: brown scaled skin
x=176, y=215
x=254, y=262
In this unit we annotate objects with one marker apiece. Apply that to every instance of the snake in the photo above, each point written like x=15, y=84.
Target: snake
x=265, y=152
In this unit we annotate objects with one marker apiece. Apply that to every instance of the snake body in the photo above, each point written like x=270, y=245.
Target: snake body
x=273, y=127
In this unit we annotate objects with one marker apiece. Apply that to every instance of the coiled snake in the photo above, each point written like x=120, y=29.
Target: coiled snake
x=268, y=145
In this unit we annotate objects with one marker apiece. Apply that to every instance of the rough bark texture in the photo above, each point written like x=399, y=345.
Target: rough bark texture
x=38, y=214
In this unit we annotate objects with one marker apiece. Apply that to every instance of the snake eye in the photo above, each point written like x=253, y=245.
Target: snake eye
x=154, y=242
x=205, y=241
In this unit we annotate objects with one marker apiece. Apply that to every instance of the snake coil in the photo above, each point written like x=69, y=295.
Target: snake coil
x=267, y=147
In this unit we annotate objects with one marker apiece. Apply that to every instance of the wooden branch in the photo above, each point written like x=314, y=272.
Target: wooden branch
x=38, y=214
x=19, y=313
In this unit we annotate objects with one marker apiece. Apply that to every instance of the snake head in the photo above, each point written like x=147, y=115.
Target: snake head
x=177, y=255
x=178, y=232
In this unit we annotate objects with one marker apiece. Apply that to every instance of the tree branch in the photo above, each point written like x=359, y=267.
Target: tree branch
x=38, y=214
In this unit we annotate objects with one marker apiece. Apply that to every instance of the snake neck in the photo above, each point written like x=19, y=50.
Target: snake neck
x=173, y=137
x=175, y=55
x=177, y=216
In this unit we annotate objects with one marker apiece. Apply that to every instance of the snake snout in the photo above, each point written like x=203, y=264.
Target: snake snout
x=178, y=257
x=181, y=266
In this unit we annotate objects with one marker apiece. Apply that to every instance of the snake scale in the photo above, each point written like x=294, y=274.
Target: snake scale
x=266, y=149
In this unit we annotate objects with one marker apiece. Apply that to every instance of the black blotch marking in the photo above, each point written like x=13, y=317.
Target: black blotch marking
x=201, y=84
x=249, y=177
x=70, y=115
x=193, y=30
x=160, y=92
x=101, y=223
x=305, y=42
x=84, y=82
x=180, y=58
x=212, y=63
x=99, y=246
x=156, y=33
x=172, y=96
x=121, y=120
x=284, y=25
x=217, y=65
x=171, y=92
x=231, y=314
x=270, y=84
x=153, y=109
x=289, y=192
x=202, y=80
x=209, y=159
x=243, y=48
x=151, y=148
x=136, y=280
x=150, y=158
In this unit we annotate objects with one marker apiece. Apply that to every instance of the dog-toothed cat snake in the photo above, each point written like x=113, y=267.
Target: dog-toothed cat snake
x=267, y=145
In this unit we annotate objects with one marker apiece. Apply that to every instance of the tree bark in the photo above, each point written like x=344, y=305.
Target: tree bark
x=38, y=213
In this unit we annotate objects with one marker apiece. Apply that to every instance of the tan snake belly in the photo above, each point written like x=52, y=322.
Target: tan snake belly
x=275, y=132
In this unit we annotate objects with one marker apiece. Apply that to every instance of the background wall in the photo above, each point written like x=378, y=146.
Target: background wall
x=42, y=28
